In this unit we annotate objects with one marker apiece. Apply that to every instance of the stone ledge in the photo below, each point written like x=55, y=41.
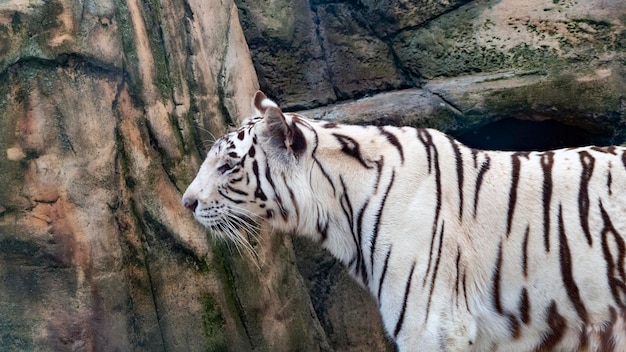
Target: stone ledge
x=460, y=104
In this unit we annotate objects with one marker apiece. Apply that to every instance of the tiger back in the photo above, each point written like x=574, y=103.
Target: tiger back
x=462, y=249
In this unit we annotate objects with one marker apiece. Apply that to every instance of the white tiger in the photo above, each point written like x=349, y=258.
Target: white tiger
x=462, y=249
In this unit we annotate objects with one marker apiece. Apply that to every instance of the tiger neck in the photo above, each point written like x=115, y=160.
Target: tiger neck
x=388, y=199
x=357, y=181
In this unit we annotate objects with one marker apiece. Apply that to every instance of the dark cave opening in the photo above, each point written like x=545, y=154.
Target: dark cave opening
x=524, y=135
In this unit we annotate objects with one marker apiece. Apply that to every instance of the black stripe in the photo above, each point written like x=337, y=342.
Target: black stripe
x=326, y=174
x=236, y=180
x=348, y=211
x=322, y=228
x=319, y=164
x=379, y=172
x=566, y=271
x=391, y=138
x=258, y=192
x=525, y=252
x=587, y=162
x=298, y=140
x=516, y=166
x=407, y=290
x=436, y=270
x=281, y=207
x=583, y=339
x=479, y=181
x=235, y=190
x=524, y=307
x=547, y=162
x=360, y=269
x=377, y=223
x=236, y=201
x=557, y=325
x=458, y=274
x=514, y=326
x=351, y=147
x=459, y=173
x=616, y=277
x=384, y=273
x=495, y=290
x=293, y=198
x=465, y=289
x=475, y=157
x=607, y=340
x=437, y=209
x=609, y=180
x=607, y=150
x=427, y=140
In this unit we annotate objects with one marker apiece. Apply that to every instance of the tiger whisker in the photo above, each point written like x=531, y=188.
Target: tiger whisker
x=233, y=232
x=231, y=236
x=251, y=227
x=244, y=214
x=213, y=138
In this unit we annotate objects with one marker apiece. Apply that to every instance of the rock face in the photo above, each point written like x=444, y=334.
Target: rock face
x=105, y=110
x=540, y=59
x=311, y=54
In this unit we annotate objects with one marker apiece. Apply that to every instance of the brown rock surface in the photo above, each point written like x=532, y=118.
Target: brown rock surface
x=358, y=62
x=289, y=59
x=105, y=108
x=561, y=60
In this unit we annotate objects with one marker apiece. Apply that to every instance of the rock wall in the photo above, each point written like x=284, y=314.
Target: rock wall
x=483, y=60
x=106, y=108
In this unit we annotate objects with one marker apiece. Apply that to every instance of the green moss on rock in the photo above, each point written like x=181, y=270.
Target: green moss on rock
x=214, y=325
x=131, y=60
x=466, y=42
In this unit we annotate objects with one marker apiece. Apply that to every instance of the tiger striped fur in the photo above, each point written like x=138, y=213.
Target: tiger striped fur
x=462, y=249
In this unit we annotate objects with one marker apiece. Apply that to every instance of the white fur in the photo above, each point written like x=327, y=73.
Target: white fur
x=267, y=103
x=452, y=304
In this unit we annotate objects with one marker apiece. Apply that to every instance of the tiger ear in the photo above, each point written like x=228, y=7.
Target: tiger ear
x=282, y=131
x=286, y=134
x=261, y=103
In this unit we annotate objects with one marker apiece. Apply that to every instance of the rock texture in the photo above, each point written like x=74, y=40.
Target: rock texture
x=105, y=110
x=486, y=59
x=311, y=54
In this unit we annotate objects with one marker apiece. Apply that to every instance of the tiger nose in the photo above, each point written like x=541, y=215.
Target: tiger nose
x=190, y=203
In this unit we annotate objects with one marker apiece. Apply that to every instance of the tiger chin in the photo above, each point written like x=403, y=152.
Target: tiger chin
x=462, y=249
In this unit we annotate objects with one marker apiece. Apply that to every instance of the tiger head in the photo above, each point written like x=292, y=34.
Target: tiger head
x=243, y=180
